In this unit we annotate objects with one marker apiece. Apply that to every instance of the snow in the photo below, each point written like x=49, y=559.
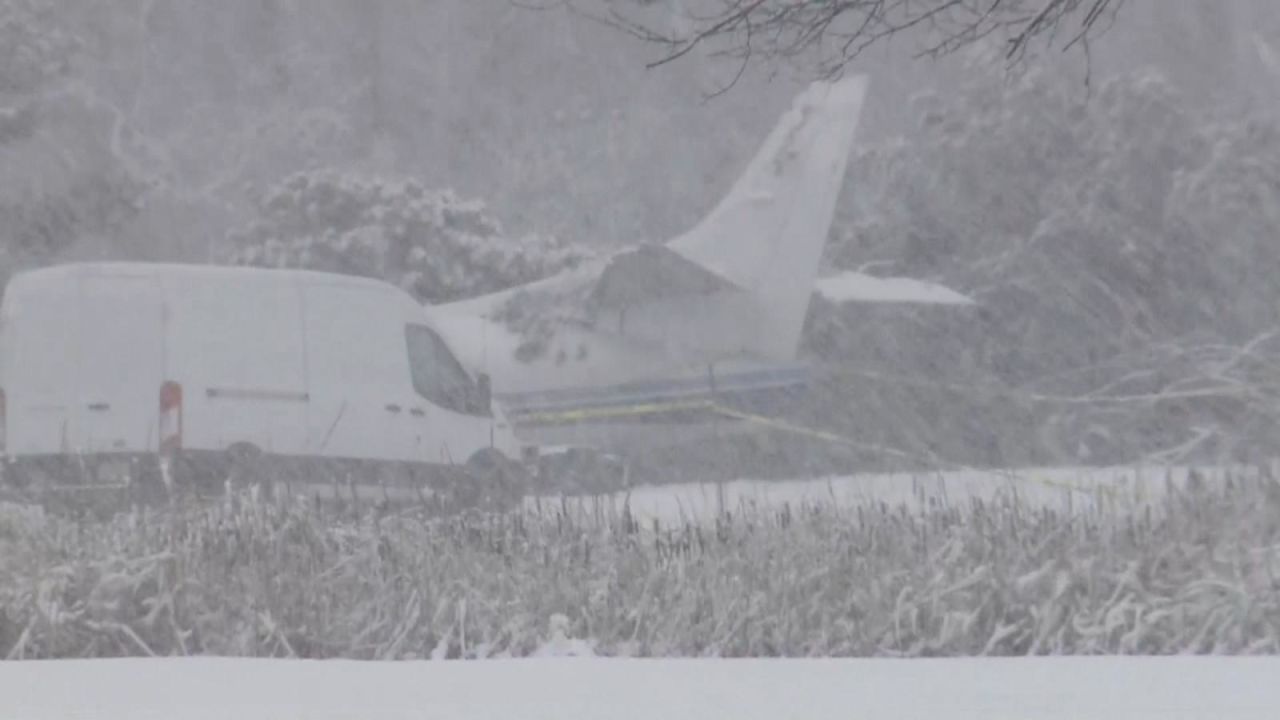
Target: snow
x=860, y=287
x=1062, y=489
x=572, y=688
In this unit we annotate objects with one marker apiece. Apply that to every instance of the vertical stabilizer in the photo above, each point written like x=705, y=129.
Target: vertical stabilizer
x=767, y=235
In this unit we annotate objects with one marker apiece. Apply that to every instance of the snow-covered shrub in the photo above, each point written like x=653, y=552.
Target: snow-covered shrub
x=432, y=243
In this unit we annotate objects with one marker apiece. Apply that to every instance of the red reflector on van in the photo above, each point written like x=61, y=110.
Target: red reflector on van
x=170, y=417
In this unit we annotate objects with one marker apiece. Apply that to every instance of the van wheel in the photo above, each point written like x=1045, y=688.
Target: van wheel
x=248, y=468
x=200, y=476
x=498, y=483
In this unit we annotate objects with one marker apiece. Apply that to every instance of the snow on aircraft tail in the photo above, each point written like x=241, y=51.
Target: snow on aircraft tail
x=642, y=346
x=767, y=235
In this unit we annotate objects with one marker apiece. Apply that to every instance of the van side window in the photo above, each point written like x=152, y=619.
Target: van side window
x=437, y=374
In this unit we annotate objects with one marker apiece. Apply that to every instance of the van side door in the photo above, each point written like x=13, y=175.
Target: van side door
x=236, y=346
x=358, y=374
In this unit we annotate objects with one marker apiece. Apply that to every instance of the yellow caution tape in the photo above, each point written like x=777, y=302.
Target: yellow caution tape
x=793, y=428
x=604, y=413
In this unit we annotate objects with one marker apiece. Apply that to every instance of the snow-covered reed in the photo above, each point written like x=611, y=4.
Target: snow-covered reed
x=1195, y=572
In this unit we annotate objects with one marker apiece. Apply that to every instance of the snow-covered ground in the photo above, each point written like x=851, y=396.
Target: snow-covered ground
x=1066, y=489
x=569, y=689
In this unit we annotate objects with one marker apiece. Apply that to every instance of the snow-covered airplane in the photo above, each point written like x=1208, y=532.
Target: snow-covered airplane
x=648, y=345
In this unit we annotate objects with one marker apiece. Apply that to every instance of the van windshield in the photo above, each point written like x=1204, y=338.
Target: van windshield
x=437, y=374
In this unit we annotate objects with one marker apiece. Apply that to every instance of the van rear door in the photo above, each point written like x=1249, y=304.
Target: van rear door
x=40, y=326
x=120, y=363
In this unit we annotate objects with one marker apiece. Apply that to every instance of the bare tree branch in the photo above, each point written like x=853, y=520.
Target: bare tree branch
x=830, y=34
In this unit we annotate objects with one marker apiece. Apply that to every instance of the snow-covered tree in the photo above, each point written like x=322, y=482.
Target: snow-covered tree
x=1118, y=243
x=62, y=181
x=34, y=49
x=432, y=243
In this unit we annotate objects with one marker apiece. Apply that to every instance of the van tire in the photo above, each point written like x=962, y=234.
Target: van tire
x=497, y=482
x=247, y=467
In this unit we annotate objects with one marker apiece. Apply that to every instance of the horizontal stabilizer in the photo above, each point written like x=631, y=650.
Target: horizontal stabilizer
x=856, y=287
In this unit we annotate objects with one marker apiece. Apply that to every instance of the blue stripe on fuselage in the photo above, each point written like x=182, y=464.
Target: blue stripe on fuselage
x=649, y=392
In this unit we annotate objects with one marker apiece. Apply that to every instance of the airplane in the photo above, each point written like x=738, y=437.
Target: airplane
x=658, y=344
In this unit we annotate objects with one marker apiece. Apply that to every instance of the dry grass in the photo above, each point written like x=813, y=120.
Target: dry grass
x=1198, y=574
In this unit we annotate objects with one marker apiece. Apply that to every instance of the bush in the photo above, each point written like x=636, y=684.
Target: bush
x=433, y=244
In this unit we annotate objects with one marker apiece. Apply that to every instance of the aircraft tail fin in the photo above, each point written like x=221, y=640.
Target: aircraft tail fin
x=767, y=235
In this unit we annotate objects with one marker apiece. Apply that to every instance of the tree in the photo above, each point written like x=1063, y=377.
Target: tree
x=834, y=33
x=433, y=244
x=63, y=181
x=34, y=49
x=1120, y=249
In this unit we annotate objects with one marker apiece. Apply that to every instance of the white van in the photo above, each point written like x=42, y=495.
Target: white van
x=310, y=372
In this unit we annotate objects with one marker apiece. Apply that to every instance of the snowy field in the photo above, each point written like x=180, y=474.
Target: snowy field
x=1064, y=489
x=569, y=689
